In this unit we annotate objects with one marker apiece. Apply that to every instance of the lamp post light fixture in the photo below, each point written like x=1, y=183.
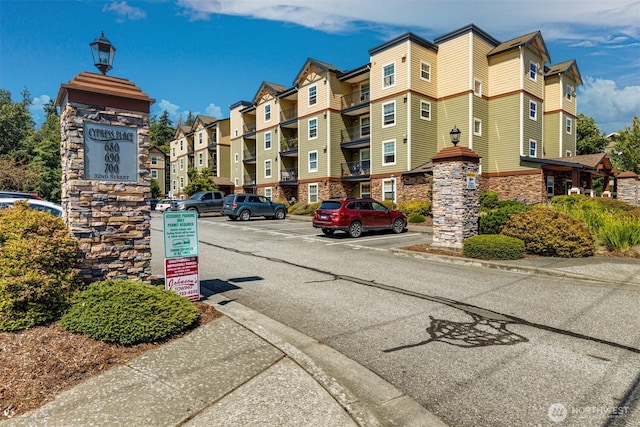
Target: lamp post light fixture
x=103, y=53
x=455, y=135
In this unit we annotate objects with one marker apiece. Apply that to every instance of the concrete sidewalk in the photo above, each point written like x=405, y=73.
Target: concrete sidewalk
x=243, y=369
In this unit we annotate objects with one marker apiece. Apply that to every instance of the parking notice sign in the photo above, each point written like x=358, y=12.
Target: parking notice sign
x=181, y=276
x=180, y=234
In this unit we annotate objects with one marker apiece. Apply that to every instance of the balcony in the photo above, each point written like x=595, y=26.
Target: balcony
x=356, y=103
x=289, y=177
x=249, y=130
x=249, y=156
x=289, y=147
x=355, y=137
x=356, y=171
x=249, y=181
x=289, y=118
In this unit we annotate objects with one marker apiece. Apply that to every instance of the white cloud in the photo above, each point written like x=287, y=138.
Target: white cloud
x=213, y=110
x=37, y=107
x=170, y=108
x=125, y=11
x=611, y=107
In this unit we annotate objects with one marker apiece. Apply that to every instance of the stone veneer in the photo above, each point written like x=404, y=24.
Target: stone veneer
x=629, y=188
x=111, y=220
x=524, y=187
x=455, y=207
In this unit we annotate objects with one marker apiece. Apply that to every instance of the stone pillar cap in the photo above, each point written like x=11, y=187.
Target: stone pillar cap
x=456, y=153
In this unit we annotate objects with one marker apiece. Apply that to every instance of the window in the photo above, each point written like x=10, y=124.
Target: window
x=181, y=183
x=569, y=93
x=154, y=160
x=313, y=95
x=533, y=145
x=154, y=174
x=533, y=110
x=173, y=168
x=214, y=134
x=568, y=153
x=173, y=152
x=235, y=132
x=550, y=186
x=365, y=126
x=267, y=112
x=313, y=161
x=236, y=157
x=200, y=159
x=173, y=185
x=533, y=71
x=569, y=126
x=389, y=152
x=267, y=168
x=389, y=114
x=268, y=192
x=477, y=87
x=477, y=127
x=181, y=164
x=425, y=71
x=313, y=128
x=365, y=190
x=313, y=193
x=425, y=110
x=389, y=189
x=364, y=92
x=200, y=138
x=267, y=141
x=389, y=75
x=236, y=181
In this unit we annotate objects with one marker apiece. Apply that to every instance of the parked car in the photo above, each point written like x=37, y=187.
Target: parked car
x=163, y=204
x=355, y=216
x=202, y=202
x=40, y=205
x=245, y=206
x=19, y=195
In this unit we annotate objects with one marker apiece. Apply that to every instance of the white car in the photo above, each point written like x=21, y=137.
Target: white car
x=163, y=205
x=39, y=205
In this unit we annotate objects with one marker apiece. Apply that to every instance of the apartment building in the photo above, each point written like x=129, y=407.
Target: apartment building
x=204, y=145
x=159, y=168
x=373, y=130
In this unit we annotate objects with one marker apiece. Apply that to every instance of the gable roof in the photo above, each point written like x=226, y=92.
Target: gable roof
x=313, y=65
x=466, y=29
x=532, y=41
x=205, y=120
x=268, y=87
x=402, y=38
x=567, y=67
x=183, y=129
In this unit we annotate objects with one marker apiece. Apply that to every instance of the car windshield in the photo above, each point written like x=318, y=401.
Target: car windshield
x=330, y=205
x=196, y=196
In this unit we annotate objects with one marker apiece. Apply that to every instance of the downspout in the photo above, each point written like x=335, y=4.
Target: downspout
x=561, y=119
x=328, y=120
x=521, y=124
x=471, y=95
x=408, y=138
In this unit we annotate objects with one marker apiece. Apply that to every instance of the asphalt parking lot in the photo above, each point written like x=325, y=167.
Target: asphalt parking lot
x=299, y=227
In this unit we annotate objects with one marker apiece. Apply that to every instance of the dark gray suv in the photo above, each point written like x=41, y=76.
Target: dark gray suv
x=245, y=206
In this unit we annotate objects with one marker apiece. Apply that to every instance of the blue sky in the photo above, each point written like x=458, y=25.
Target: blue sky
x=204, y=55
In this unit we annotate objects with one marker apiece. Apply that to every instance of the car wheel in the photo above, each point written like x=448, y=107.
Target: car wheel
x=398, y=226
x=355, y=229
x=280, y=214
x=245, y=215
x=328, y=231
x=195, y=209
x=233, y=217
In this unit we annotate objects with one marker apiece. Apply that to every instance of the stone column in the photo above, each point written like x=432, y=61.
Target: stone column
x=455, y=196
x=629, y=188
x=105, y=175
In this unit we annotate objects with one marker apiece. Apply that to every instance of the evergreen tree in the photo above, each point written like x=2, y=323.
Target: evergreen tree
x=161, y=131
x=199, y=180
x=47, y=156
x=16, y=126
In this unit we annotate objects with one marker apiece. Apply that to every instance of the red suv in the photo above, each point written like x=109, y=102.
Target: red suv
x=356, y=216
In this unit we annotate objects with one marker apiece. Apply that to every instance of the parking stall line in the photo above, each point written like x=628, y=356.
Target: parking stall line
x=346, y=242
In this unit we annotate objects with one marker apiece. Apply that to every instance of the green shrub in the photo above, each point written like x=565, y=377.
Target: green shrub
x=619, y=233
x=412, y=207
x=493, y=246
x=38, y=275
x=491, y=222
x=303, y=208
x=416, y=218
x=390, y=204
x=488, y=200
x=128, y=312
x=548, y=232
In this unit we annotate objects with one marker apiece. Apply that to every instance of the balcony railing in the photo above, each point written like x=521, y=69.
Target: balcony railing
x=288, y=143
x=360, y=168
x=289, y=114
x=355, y=133
x=355, y=98
x=289, y=175
x=249, y=155
x=249, y=128
x=250, y=180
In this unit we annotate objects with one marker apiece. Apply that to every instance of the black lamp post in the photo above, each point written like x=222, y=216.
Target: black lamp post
x=103, y=53
x=455, y=135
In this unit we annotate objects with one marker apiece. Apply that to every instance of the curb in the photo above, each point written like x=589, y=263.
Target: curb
x=377, y=403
